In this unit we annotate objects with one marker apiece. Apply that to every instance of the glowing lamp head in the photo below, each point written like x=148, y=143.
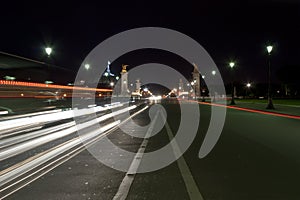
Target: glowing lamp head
x=248, y=85
x=231, y=64
x=269, y=49
x=48, y=51
x=86, y=66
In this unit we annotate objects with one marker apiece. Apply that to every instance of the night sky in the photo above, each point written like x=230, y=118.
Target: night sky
x=228, y=30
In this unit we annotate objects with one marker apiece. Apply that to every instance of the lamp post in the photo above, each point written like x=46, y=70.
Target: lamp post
x=231, y=65
x=270, y=102
x=248, y=85
x=214, y=95
x=203, y=98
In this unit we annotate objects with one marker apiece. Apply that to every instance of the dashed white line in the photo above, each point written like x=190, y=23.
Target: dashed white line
x=129, y=177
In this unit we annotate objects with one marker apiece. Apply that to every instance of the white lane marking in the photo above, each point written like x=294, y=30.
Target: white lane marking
x=130, y=175
x=187, y=176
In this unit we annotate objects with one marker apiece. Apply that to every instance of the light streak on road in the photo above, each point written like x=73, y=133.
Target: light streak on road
x=25, y=146
x=23, y=123
x=52, y=86
x=13, y=174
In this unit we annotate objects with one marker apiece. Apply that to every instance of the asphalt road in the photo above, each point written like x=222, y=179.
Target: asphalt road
x=256, y=157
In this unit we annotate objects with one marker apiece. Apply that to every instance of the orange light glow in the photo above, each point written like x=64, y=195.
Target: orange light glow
x=42, y=85
x=251, y=110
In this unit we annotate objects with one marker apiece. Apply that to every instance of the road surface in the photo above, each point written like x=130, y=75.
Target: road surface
x=256, y=157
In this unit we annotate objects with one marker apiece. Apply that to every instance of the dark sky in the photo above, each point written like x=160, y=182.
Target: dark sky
x=228, y=30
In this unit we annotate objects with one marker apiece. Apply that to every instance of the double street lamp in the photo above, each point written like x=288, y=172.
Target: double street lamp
x=270, y=102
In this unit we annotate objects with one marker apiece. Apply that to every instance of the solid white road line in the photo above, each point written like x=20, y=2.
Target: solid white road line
x=129, y=177
x=187, y=176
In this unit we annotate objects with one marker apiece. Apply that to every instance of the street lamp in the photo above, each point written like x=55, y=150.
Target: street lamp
x=48, y=50
x=270, y=102
x=86, y=66
x=231, y=65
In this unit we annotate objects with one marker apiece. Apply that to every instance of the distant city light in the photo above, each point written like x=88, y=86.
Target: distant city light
x=154, y=98
x=9, y=78
x=213, y=72
x=248, y=85
x=146, y=89
x=106, y=74
x=112, y=84
x=48, y=82
x=48, y=50
x=231, y=64
x=203, y=76
x=117, y=78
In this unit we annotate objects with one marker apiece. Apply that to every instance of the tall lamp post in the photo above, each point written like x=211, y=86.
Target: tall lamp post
x=231, y=65
x=203, y=93
x=248, y=85
x=270, y=102
x=214, y=95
